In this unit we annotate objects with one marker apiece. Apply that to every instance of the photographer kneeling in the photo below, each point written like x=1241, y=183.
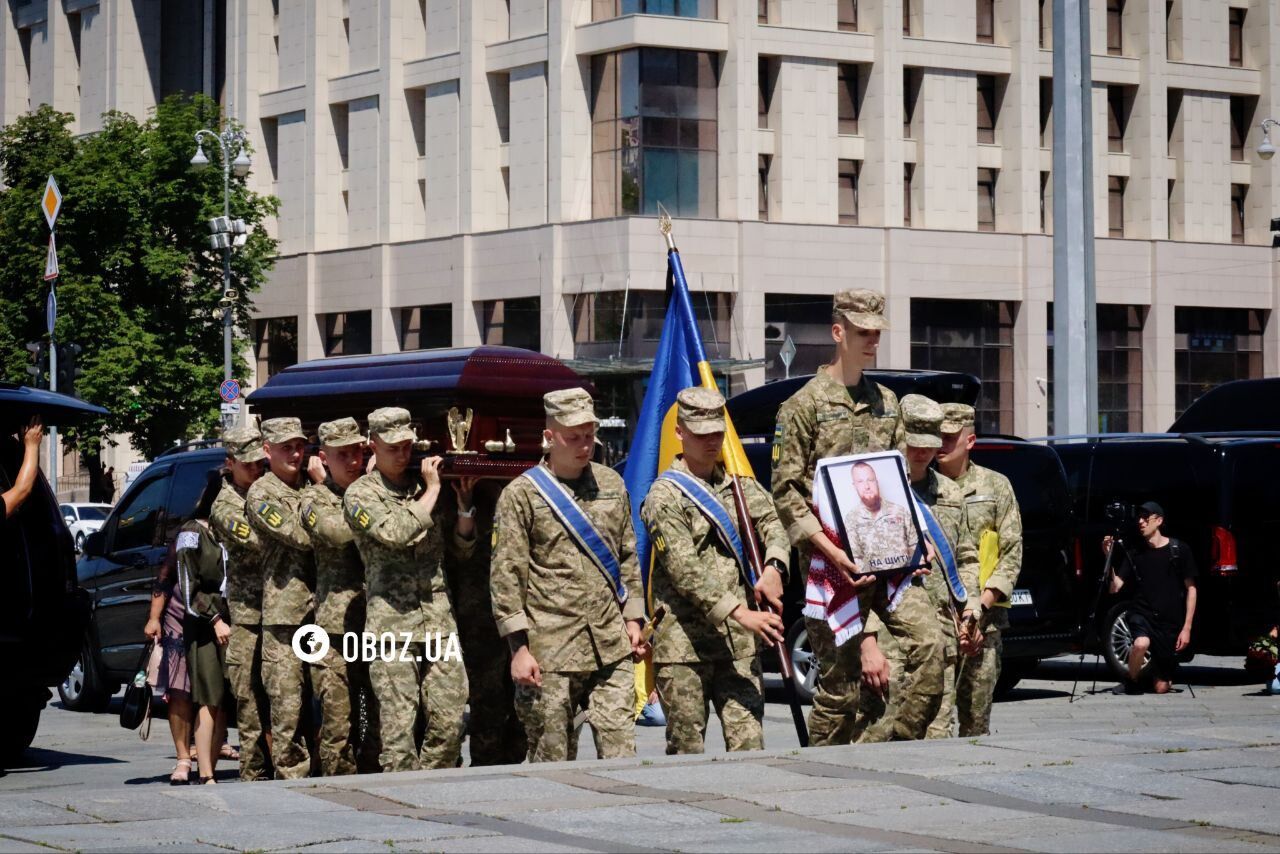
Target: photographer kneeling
x=1164, y=603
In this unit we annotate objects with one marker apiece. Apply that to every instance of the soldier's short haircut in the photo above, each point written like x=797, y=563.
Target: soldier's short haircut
x=865, y=465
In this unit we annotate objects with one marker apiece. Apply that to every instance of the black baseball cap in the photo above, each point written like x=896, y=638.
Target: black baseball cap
x=1150, y=509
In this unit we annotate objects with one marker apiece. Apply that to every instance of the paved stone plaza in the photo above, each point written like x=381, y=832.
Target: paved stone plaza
x=1106, y=773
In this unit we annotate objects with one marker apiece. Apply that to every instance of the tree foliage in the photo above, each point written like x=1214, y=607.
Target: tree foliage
x=140, y=287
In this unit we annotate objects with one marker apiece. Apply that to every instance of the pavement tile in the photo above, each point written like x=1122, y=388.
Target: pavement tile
x=498, y=796
x=843, y=797
x=1039, y=786
x=1260, y=777
x=490, y=845
x=1196, y=760
x=256, y=799
x=731, y=779
x=31, y=811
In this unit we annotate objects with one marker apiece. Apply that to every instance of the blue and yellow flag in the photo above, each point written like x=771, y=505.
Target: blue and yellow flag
x=680, y=363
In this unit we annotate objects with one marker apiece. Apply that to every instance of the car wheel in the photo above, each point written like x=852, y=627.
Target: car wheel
x=1117, y=640
x=83, y=690
x=804, y=664
x=80, y=543
x=19, y=720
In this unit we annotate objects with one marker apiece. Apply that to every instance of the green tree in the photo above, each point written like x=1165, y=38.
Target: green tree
x=140, y=287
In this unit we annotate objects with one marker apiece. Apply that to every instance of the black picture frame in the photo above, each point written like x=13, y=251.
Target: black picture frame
x=839, y=507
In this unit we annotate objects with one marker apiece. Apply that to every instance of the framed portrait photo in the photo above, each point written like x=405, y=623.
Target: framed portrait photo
x=866, y=499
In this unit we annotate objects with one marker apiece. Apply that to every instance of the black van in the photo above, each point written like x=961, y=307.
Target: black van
x=1220, y=494
x=118, y=566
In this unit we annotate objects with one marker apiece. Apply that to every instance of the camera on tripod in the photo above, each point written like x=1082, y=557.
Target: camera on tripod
x=1122, y=518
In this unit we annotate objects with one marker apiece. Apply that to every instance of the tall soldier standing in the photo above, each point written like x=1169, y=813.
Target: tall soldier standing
x=401, y=533
x=244, y=596
x=274, y=508
x=340, y=601
x=997, y=525
x=566, y=590
x=707, y=648
x=841, y=411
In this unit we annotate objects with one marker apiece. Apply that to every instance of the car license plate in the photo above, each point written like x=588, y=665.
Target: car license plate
x=1020, y=597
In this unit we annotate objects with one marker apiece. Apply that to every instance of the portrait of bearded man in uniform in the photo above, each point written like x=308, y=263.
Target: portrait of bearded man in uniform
x=881, y=533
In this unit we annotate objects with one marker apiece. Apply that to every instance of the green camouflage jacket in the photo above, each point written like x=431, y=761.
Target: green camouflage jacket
x=340, y=602
x=244, y=555
x=274, y=509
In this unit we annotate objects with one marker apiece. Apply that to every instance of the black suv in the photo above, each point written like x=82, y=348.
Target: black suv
x=42, y=611
x=1044, y=619
x=119, y=564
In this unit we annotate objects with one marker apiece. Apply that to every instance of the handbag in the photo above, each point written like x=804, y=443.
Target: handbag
x=135, y=710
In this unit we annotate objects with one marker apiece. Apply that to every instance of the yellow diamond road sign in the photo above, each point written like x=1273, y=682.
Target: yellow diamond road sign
x=51, y=201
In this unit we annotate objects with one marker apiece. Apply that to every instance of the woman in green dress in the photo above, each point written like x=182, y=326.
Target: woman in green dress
x=202, y=581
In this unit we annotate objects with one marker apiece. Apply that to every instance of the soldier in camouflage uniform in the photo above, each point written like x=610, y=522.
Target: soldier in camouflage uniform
x=402, y=532
x=244, y=596
x=706, y=650
x=995, y=519
x=274, y=507
x=340, y=601
x=841, y=411
x=573, y=643
x=881, y=718
x=881, y=532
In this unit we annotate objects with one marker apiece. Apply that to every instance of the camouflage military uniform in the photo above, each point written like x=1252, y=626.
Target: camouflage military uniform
x=991, y=507
x=875, y=538
x=826, y=419
x=403, y=549
x=700, y=653
x=274, y=509
x=340, y=606
x=543, y=584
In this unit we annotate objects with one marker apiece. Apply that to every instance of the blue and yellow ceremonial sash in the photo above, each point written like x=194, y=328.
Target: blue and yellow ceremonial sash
x=706, y=501
x=945, y=554
x=579, y=527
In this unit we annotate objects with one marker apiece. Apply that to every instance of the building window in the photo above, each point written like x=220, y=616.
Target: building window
x=1214, y=346
x=1235, y=36
x=974, y=336
x=764, y=163
x=628, y=324
x=1115, y=27
x=425, y=327
x=849, y=95
x=348, y=333
x=1046, y=20
x=1242, y=110
x=513, y=322
x=1173, y=231
x=986, y=24
x=1238, y=194
x=806, y=320
x=848, y=191
x=1119, y=329
x=911, y=80
x=1044, y=202
x=986, y=109
x=987, y=199
x=767, y=68
x=602, y=10
x=1046, y=112
x=908, y=170
x=654, y=132
x=1115, y=205
x=906, y=17
x=847, y=15
x=1119, y=102
x=762, y=11
x=275, y=345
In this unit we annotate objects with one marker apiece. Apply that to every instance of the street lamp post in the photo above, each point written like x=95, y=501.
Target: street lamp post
x=1266, y=150
x=226, y=232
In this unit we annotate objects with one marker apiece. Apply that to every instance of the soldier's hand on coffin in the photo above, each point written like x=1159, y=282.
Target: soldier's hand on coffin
x=431, y=473
x=875, y=667
x=635, y=634
x=769, y=588
x=316, y=470
x=763, y=624
x=464, y=489
x=525, y=669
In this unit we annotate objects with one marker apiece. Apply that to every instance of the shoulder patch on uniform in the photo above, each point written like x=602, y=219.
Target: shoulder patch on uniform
x=659, y=543
x=359, y=516
x=309, y=517
x=493, y=538
x=779, y=434
x=270, y=514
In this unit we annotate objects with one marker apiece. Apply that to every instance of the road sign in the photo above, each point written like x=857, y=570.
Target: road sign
x=51, y=261
x=50, y=311
x=229, y=391
x=787, y=354
x=230, y=409
x=51, y=201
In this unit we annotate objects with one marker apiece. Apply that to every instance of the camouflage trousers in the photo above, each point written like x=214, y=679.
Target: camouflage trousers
x=495, y=733
x=431, y=692
x=912, y=624
x=882, y=718
x=253, y=716
x=548, y=713
x=337, y=684
x=976, y=686
x=285, y=677
x=735, y=688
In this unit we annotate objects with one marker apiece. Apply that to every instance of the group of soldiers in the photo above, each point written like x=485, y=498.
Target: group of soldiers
x=551, y=596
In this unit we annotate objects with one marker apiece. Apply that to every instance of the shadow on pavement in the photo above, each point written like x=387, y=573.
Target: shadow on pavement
x=40, y=759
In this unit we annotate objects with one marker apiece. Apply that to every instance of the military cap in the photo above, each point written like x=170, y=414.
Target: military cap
x=701, y=410
x=956, y=417
x=922, y=418
x=862, y=308
x=244, y=444
x=344, y=431
x=280, y=430
x=391, y=425
x=570, y=407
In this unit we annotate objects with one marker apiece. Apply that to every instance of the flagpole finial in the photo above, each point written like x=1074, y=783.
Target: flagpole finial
x=664, y=226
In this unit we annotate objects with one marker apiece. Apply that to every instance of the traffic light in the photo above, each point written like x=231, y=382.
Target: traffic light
x=68, y=368
x=39, y=371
